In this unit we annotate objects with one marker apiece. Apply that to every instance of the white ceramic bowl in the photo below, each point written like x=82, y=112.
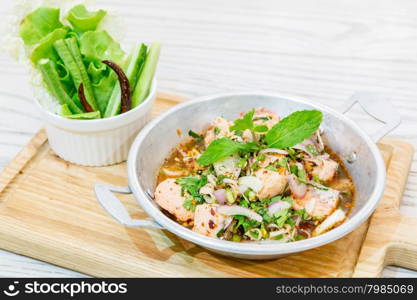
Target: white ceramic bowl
x=98, y=142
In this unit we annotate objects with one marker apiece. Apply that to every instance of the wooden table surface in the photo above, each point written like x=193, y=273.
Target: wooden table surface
x=323, y=50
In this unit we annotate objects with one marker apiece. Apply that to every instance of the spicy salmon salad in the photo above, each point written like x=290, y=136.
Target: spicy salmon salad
x=258, y=177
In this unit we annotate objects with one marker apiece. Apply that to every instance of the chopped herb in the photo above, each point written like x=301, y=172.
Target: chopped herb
x=189, y=204
x=278, y=237
x=283, y=161
x=236, y=238
x=196, y=136
x=294, y=170
x=281, y=217
x=261, y=157
x=220, y=233
x=242, y=162
x=310, y=148
x=316, y=178
x=261, y=118
x=302, y=176
x=272, y=168
x=220, y=179
x=192, y=185
x=243, y=202
x=229, y=196
x=303, y=214
x=216, y=130
x=299, y=237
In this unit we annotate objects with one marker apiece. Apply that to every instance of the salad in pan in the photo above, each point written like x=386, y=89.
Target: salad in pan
x=258, y=177
x=82, y=66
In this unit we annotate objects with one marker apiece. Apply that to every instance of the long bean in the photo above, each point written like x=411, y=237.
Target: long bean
x=55, y=86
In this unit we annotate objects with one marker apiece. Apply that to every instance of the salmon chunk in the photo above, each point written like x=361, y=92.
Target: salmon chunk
x=273, y=183
x=228, y=167
x=317, y=202
x=168, y=196
x=325, y=170
x=208, y=221
x=218, y=129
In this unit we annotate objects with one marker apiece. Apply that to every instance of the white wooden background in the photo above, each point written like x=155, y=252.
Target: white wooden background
x=324, y=50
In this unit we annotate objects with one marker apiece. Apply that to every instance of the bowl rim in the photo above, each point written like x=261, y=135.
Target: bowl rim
x=98, y=124
x=255, y=249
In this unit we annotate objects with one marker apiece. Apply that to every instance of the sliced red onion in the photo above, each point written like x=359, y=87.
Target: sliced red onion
x=273, y=150
x=220, y=196
x=319, y=144
x=232, y=210
x=173, y=173
x=318, y=159
x=252, y=182
x=317, y=185
x=297, y=188
x=303, y=146
x=277, y=206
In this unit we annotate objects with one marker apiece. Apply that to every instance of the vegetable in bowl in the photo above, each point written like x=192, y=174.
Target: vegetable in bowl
x=83, y=67
x=256, y=178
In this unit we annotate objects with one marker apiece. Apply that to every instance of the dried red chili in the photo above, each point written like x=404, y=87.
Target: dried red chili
x=126, y=99
x=83, y=100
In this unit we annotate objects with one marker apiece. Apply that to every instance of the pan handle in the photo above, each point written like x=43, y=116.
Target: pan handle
x=113, y=206
x=377, y=107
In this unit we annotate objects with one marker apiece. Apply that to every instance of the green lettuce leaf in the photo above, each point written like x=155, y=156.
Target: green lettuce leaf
x=45, y=48
x=97, y=70
x=36, y=25
x=103, y=90
x=96, y=46
x=99, y=45
x=83, y=20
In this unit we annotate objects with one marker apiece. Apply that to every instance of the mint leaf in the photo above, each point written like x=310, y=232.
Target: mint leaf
x=245, y=123
x=294, y=129
x=222, y=148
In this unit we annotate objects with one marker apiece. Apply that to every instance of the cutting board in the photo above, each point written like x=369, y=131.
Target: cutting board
x=48, y=211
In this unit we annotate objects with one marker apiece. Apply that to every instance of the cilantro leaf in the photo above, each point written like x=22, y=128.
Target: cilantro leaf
x=192, y=186
x=294, y=129
x=222, y=148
